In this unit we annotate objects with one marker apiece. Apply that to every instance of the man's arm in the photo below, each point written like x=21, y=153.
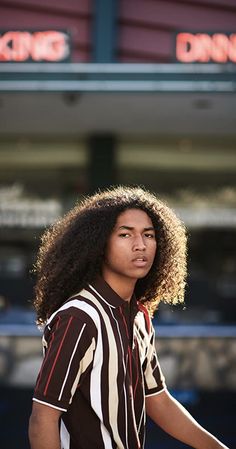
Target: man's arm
x=174, y=419
x=44, y=427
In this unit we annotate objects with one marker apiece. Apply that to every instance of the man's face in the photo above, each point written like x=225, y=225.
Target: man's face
x=131, y=247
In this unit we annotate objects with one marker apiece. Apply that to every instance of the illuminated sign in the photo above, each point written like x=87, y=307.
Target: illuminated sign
x=203, y=47
x=36, y=46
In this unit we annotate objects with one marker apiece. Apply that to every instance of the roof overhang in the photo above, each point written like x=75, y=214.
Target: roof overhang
x=74, y=77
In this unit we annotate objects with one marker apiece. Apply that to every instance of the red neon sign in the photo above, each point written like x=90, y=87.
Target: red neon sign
x=21, y=46
x=202, y=47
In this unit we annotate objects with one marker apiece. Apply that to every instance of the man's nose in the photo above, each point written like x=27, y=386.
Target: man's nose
x=139, y=244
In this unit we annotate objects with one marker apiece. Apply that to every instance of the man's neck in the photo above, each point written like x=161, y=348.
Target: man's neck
x=123, y=287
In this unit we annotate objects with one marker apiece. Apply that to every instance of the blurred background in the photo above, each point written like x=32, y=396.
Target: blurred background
x=94, y=93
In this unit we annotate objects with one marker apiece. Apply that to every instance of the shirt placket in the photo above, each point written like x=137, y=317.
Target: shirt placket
x=128, y=324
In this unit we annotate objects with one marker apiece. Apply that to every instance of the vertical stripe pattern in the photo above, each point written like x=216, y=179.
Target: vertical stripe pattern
x=100, y=362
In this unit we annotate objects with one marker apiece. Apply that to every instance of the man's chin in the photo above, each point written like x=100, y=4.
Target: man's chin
x=142, y=275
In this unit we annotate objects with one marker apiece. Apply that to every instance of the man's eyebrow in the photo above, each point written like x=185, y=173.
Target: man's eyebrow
x=131, y=228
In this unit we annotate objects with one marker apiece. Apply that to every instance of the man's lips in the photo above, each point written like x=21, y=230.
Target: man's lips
x=140, y=261
x=144, y=258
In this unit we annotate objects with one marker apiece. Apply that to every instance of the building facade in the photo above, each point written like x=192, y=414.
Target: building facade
x=108, y=92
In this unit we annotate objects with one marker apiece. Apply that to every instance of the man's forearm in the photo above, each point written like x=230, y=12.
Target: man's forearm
x=43, y=434
x=172, y=417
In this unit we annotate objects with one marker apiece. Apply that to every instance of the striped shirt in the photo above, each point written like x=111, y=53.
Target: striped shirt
x=99, y=364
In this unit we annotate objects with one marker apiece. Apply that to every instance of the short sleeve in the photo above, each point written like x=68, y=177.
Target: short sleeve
x=69, y=349
x=154, y=381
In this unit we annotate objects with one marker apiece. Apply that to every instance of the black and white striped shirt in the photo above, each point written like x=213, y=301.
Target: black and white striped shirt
x=99, y=365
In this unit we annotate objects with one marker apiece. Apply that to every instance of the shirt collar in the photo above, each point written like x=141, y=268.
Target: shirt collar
x=109, y=295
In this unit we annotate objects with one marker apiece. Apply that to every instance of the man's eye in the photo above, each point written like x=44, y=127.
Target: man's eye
x=124, y=235
x=150, y=236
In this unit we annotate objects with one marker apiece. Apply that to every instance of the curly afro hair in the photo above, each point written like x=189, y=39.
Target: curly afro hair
x=71, y=251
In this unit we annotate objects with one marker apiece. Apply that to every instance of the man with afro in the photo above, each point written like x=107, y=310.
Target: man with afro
x=101, y=272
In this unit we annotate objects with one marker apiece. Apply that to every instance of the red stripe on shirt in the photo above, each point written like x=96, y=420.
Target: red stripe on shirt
x=146, y=314
x=129, y=349
x=47, y=353
x=57, y=355
x=130, y=365
x=124, y=321
x=137, y=360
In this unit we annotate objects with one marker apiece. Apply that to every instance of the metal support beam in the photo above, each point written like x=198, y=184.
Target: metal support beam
x=101, y=162
x=104, y=35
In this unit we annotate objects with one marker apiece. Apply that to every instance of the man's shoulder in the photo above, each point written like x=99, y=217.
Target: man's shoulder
x=78, y=307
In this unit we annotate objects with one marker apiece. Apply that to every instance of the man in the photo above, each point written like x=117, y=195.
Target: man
x=102, y=271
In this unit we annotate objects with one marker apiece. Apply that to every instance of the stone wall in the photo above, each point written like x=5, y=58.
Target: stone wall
x=204, y=363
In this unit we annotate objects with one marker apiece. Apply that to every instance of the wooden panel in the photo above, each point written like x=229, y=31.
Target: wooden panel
x=225, y=4
x=82, y=7
x=176, y=15
x=71, y=15
x=134, y=41
x=147, y=28
x=80, y=27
